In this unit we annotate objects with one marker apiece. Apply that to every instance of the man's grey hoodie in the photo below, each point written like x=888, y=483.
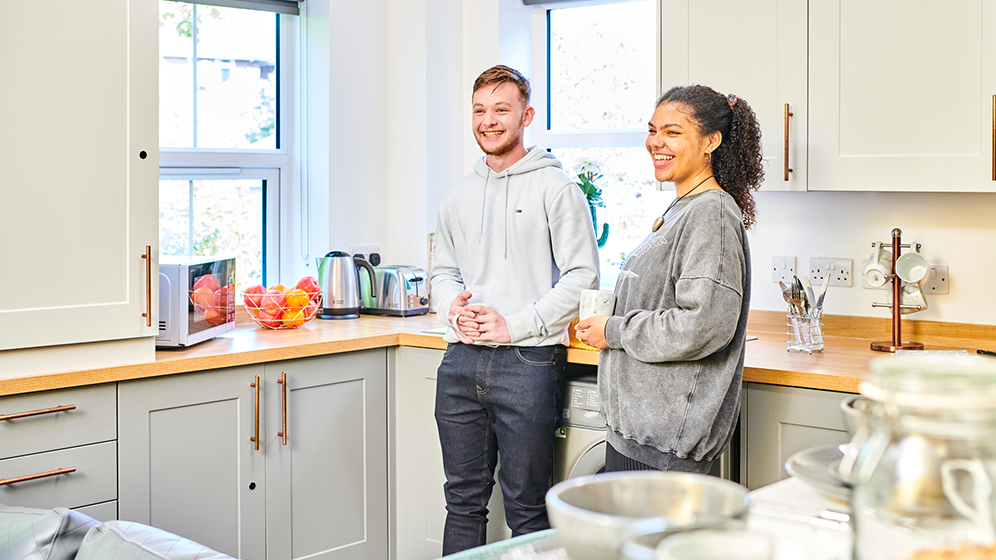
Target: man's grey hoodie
x=521, y=241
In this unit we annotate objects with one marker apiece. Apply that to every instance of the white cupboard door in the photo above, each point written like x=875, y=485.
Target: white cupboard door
x=186, y=463
x=78, y=199
x=755, y=50
x=901, y=95
x=326, y=495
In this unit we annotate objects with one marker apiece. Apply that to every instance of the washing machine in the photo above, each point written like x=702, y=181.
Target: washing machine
x=579, y=446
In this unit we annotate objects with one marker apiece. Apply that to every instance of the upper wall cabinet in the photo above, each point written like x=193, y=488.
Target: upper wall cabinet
x=755, y=50
x=79, y=153
x=901, y=95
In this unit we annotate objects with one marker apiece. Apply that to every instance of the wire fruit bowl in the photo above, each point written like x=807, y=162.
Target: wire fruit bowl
x=215, y=307
x=268, y=312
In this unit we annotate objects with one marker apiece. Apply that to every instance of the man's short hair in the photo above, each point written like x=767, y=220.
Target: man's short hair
x=497, y=75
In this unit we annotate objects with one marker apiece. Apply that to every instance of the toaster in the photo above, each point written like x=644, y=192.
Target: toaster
x=400, y=291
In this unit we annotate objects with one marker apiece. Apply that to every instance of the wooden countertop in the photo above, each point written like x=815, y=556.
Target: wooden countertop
x=841, y=365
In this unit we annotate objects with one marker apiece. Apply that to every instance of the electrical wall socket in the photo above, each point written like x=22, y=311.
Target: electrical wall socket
x=364, y=250
x=782, y=269
x=936, y=281
x=839, y=271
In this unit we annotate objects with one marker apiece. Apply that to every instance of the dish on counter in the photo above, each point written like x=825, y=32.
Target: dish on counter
x=834, y=470
x=812, y=466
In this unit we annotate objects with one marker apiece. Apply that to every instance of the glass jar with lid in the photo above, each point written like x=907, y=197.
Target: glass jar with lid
x=925, y=479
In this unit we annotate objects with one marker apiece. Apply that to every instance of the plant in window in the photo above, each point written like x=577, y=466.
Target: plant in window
x=588, y=172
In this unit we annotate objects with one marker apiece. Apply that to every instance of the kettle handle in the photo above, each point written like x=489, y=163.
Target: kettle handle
x=362, y=263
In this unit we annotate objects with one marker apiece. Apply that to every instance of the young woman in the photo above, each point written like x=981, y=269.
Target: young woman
x=671, y=366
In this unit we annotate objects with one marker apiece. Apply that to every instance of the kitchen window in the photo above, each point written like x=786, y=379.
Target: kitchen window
x=221, y=132
x=595, y=99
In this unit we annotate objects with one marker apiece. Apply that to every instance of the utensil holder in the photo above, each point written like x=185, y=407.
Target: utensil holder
x=806, y=334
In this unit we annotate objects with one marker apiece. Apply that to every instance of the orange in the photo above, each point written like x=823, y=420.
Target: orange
x=297, y=298
x=294, y=318
x=278, y=287
x=202, y=298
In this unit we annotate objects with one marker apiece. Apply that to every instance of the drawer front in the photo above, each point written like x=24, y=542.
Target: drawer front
x=93, y=420
x=107, y=511
x=95, y=479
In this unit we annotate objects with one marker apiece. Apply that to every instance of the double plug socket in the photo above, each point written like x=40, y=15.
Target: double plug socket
x=839, y=270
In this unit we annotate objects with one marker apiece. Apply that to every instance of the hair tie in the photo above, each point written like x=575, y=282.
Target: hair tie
x=731, y=100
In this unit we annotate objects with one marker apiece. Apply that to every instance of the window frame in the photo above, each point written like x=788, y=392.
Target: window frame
x=553, y=139
x=275, y=166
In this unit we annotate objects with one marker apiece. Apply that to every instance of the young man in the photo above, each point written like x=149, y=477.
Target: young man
x=514, y=248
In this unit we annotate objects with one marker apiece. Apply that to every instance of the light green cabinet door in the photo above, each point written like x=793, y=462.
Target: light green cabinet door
x=418, y=467
x=186, y=461
x=326, y=493
x=781, y=421
x=756, y=50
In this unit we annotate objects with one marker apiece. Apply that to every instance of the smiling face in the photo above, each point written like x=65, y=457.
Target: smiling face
x=677, y=148
x=500, y=115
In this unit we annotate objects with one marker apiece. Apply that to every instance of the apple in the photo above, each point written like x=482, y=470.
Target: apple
x=224, y=297
x=310, y=310
x=209, y=281
x=273, y=301
x=310, y=286
x=272, y=320
x=253, y=296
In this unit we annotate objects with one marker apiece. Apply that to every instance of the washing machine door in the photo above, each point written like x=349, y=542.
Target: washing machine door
x=591, y=461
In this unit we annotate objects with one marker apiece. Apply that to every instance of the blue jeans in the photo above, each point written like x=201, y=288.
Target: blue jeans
x=490, y=400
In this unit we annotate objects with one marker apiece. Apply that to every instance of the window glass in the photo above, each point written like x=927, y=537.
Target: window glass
x=602, y=66
x=228, y=98
x=215, y=217
x=602, y=76
x=629, y=192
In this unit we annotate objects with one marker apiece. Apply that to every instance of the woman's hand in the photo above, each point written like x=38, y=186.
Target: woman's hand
x=591, y=331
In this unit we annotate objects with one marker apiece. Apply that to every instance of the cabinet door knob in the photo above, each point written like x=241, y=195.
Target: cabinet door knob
x=255, y=431
x=37, y=412
x=787, y=115
x=25, y=478
x=148, y=285
x=283, y=407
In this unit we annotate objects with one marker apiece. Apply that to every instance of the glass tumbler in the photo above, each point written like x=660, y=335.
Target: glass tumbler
x=925, y=477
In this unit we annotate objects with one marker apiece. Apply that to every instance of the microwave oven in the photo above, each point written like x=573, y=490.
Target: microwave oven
x=196, y=299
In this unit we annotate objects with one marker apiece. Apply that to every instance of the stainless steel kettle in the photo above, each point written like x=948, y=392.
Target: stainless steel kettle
x=339, y=279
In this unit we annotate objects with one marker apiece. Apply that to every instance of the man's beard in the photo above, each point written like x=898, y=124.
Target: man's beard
x=504, y=147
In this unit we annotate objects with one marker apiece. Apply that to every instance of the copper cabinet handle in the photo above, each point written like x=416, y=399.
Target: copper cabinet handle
x=25, y=478
x=994, y=137
x=283, y=407
x=255, y=437
x=148, y=285
x=37, y=412
x=787, y=115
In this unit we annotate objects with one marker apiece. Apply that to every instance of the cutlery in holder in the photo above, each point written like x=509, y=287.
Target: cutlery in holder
x=806, y=334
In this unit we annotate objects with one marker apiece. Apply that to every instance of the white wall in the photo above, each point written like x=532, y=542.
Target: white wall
x=957, y=229
x=348, y=125
x=398, y=135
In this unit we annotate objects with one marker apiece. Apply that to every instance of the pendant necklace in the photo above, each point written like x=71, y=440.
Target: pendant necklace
x=660, y=219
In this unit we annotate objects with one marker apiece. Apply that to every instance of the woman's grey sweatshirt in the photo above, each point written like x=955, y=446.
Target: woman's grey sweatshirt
x=670, y=382
x=520, y=240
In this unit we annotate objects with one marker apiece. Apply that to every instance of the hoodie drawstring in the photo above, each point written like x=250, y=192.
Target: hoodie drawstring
x=508, y=179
